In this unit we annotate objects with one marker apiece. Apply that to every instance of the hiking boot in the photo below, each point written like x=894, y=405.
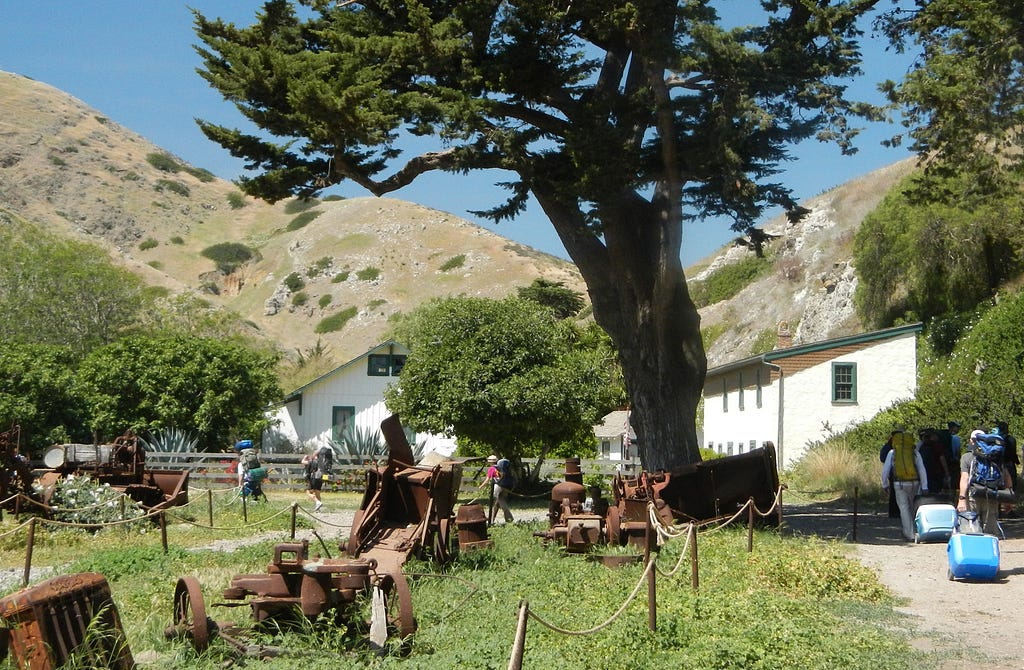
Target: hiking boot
x=317, y=506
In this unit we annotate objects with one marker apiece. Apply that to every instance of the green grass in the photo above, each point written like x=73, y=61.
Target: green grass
x=336, y=321
x=728, y=280
x=792, y=603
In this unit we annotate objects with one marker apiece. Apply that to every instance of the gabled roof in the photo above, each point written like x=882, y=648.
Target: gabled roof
x=613, y=425
x=298, y=392
x=823, y=345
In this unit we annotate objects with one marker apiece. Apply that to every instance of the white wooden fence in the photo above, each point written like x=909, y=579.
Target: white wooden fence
x=216, y=470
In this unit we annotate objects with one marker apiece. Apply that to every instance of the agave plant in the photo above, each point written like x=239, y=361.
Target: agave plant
x=170, y=441
x=361, y=444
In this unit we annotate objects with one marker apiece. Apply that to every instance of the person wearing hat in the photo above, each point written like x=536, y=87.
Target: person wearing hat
x=987, y=507
x=499, y=476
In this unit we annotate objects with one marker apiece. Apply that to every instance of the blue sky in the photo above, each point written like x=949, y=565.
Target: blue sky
x=133, y=61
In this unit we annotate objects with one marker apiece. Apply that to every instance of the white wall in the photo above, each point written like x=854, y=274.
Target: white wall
x=752, y=423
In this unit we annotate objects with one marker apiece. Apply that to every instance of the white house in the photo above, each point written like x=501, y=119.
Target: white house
x=350, y=395
x=799, y=395
x=615, y=436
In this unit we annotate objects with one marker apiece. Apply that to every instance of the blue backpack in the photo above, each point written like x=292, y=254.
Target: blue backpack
x=988, y=460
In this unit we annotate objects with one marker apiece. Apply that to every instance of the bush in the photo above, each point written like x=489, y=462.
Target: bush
x=294, y=282
x=319, y=266
x=299, y=299
x=297, y=205
x=368, y=274
x=453, y=262
x=80, y=499
x=236, y=200
x=340, y=277
x=228, y=255
x=335, y=322
x=324, y=300
x=172, y=186
x=148, y=243
x=201, y=174
x=728, y=280
x=177, y=239
x=163, y=162
x=301, y=221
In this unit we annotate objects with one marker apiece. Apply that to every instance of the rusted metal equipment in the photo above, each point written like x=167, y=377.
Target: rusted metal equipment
x=571, y=522
x=122, y=465
x=629, y=515
x=15, y=472
x=49, y=622
x=471, y=522
x=296, y=586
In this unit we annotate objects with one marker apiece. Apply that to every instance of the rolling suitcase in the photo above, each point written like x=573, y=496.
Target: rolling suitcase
x=934, y=523
x=973, y=556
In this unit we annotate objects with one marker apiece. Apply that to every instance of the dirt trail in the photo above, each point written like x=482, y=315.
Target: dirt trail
x=971, y=624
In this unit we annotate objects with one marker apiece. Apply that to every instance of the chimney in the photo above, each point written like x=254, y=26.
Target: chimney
x=784, y=337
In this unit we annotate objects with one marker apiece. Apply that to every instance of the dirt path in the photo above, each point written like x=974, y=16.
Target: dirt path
x=972, y=624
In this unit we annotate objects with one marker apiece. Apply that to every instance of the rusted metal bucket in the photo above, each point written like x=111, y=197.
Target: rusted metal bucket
x=50, y=621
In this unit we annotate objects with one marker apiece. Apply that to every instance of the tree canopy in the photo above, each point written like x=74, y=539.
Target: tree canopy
x=502, y=373
x=620, y=119
x=963, y=101
x=216, y=388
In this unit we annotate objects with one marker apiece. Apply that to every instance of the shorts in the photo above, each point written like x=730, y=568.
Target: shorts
x=316, y=483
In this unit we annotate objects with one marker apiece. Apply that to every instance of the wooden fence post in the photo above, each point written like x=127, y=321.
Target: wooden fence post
x=694, y=575
x=163, y=530
x=29, y=546
x=515, y=662
x=856, y=498
x=295, y=506
x=209, y=505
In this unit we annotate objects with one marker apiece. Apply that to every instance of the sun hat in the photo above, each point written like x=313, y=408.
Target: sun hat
x=492, y=459
x=976, y=433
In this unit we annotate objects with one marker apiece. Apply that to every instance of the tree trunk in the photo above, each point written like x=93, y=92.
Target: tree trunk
x=638, y=290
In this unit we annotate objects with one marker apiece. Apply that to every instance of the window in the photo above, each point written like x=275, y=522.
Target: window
x=606, y=448
x=728, y=449
x=753, y=445
x=739, y=400
x=844, y=382
x=384, y=365
x=758, y=395
x=725, y=396
x=341, y=419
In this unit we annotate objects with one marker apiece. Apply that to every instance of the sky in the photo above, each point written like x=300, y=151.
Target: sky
x=134, y=62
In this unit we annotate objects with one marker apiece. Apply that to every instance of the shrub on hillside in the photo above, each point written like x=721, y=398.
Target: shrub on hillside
x=368, y=274
x=228, y=255
x=301, y=221
x=324, y=300
x=453, y=262
x=172, y=186
x=336, y=321
x=297, y=205
x=294, y=282
x=148, y=243
x=163, y=162
x=728, y=280
x=236, y=200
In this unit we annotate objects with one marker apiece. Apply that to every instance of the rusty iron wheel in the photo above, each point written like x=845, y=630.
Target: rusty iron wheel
x=190, y=612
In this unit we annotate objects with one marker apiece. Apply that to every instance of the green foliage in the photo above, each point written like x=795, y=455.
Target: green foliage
x=218, y=388
x=62, y=292
x=36, y=393
x=340, y=277
x=362, y=444
x=163, y=162
x=172, y=186
x=564, y=302
x=301, y=221
x=299, y=299
x=229, y=255
x=764, y=341
x=503, y=373
x=118, y=563
x=177, y=239
x=833, y=468
x=297, y=205
x=728, y=280
x=148, y=243
x=202, y=174
x=318, y=267
x=374, y=304
x=453, y=262
x=170, y=440
x=336, y=321
x=368, y=274
x=294, y=282
x=918, y=261
x=324, y=300
x=236, y=200
x=58, y=161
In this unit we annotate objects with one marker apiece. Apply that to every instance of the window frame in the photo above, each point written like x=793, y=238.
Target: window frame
x=844, y=391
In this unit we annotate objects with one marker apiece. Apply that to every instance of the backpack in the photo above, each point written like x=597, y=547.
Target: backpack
x=257, y=474
x=250, y=461
x=324, y=460
x=988, y=461
x=904, y=461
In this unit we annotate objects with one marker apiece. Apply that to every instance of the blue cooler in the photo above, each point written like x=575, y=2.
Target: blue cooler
x=973, y=556
x=934, y=523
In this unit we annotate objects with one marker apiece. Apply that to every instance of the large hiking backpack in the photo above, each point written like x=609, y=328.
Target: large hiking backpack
x=324, y=460
x=988, y=460
x=904, y=457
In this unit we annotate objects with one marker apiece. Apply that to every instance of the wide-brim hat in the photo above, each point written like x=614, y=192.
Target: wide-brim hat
x=492, y=459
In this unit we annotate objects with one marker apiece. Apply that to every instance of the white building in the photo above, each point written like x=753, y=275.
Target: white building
x=612, y=434
x=796, y=396
x=350, y=395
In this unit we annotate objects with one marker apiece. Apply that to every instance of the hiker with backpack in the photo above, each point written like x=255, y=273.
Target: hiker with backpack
x=318, y=467
x=903, y=472
x=984, y=479
x=251, y=472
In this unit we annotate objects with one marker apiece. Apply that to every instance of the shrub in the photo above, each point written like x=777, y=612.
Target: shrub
x=368, y=274
x=202, y=174
x=336, y=321
x=294, y=282
x=163, y=162
x=299, y=299
x=228, y=255
x=340, y=277
x=177, y=239
x=301, y=221
x=319, y=266
x=83, y=500
x=58, y=161
x=102, y=120
x=236, y=200
x=728, y=280
x=156, y=265
x=172, y=186
x=324, y=300
x=374, y=304
x=453, y=262
x=297, y=205
x=148, y=243
x=764, y=341
x=334, y=197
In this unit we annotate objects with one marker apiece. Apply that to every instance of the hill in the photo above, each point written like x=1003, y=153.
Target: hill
x=67, y=167
x=362, y=261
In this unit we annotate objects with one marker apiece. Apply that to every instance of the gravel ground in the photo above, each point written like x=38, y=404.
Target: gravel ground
x=969, y=624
